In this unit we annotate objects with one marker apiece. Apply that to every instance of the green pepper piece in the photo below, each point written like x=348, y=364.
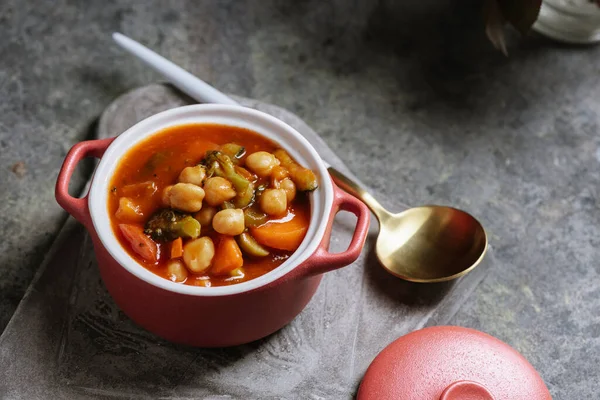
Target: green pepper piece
x=304, y=178
x=250, y=246
x=254, y=218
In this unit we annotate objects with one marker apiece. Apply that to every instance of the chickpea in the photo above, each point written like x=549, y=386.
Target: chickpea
x=229, y=222
x=261, y=163
x=176, y=271
x=128, y=211
x=206, y=215
x=274, y=202
x=165, y=196
x=218, y=190
x=279, y=173
x=198, y=254
x=194, y=175
x=290, y=189
x=186, y=197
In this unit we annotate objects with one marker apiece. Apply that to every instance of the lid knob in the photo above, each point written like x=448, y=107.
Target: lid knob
x=466, y=390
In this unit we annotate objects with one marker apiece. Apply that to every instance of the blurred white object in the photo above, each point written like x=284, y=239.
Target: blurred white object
x=570, y=21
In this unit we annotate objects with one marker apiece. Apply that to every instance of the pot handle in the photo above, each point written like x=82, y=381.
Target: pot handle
x=78, y=207
x=322, y=260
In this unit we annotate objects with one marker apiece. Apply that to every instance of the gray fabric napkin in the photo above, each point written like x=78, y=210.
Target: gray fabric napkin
x=69, y=340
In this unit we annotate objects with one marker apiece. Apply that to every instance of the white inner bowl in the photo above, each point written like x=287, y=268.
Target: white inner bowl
x=270, y=127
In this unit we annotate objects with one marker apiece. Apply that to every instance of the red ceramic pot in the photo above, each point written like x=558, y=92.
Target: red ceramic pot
x=213, y=316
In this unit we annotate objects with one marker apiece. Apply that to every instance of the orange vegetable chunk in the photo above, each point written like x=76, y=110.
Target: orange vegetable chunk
x=177, y=248
x=140, y=243
x=228, y=256
x=283, y=234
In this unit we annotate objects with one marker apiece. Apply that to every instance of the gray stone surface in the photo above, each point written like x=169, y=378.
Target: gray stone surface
x=409, y=94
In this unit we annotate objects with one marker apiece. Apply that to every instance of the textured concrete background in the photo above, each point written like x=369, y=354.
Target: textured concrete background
x=411, y=96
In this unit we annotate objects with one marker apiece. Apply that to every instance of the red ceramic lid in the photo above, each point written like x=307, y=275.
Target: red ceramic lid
x=451, y=363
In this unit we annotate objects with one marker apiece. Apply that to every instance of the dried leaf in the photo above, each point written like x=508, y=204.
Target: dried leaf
x=494, y=25
x=19, y=169
x=520, y=13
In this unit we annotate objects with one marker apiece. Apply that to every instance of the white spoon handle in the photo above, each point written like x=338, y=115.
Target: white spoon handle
x=183, y=80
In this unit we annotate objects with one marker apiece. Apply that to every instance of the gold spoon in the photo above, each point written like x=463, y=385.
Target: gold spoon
x=423, y=244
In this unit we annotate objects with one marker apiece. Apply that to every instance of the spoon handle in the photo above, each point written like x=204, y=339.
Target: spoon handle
x=182, y=79
x=354, y=189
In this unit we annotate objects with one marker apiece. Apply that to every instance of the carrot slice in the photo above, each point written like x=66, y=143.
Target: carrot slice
x=140, y=243
x=282, y=235
x=177, y=248
x=228, y=256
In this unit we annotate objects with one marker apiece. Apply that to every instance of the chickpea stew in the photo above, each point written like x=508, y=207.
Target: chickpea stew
x=209, y=205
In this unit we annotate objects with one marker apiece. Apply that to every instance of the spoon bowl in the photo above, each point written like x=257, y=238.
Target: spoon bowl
x=423, y=244
x=430, y=243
